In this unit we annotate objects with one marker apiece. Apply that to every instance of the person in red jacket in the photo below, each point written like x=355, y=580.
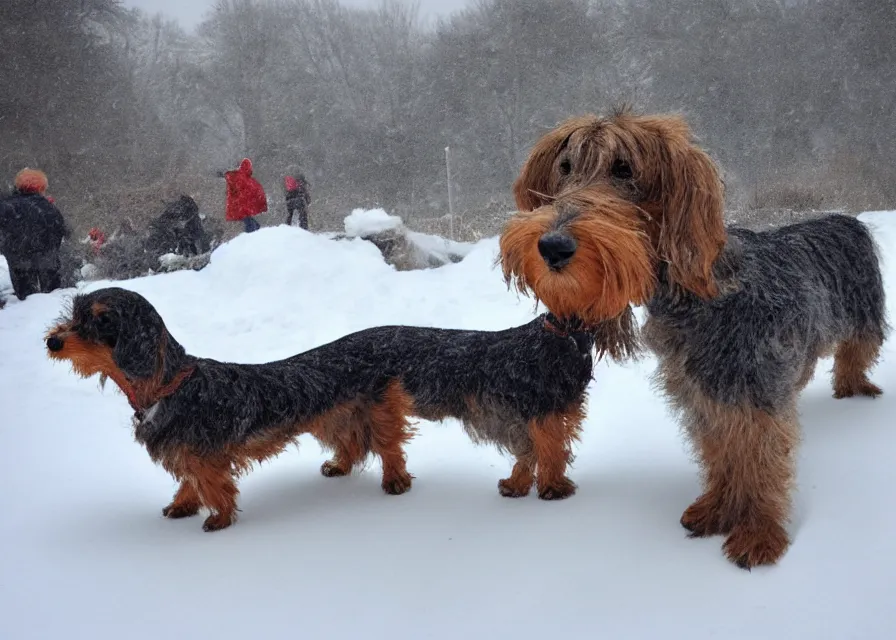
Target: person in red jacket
x=245, y=196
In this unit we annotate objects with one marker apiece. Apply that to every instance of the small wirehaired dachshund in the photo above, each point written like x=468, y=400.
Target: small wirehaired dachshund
x=207, y=422
x=627, y=209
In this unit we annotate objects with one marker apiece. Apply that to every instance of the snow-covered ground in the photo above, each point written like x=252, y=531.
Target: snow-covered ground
x=87, y=554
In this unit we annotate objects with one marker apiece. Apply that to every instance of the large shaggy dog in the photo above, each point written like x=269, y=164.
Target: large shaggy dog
x=626, y=210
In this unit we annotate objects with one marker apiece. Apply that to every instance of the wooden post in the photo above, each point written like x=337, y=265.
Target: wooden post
x=450, y=199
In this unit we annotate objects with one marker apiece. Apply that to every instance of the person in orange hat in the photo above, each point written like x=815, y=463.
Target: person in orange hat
x=31, y=232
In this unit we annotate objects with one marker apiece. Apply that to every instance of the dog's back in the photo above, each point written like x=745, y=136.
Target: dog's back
x=495, y=382
x=479, y=377
x=527, y=370
x=225, y=403
x=829, y=265
x=789, y=296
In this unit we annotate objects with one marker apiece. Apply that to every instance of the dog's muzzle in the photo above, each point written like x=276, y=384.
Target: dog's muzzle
x=55, y=344
x=557, y=249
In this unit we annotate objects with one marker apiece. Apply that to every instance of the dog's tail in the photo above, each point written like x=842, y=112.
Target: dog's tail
x=869, y=301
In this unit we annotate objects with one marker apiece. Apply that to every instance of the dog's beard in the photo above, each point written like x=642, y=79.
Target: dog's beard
x=612, y=267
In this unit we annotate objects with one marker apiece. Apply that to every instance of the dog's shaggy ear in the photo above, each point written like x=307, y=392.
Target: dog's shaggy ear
x=140, y=345
x=533, y=183
x=691, y=231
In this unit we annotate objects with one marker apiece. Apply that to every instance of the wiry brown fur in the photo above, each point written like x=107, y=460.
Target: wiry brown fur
x=386, y=422
x=552, y=437
x=740, y=497
x=602, y=278
x=852, y=360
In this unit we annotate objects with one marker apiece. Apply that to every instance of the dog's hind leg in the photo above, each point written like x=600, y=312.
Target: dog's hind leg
x=185, y=503
x=390, y=431
x=339, y=465
x=552, y=438
x=852, y=360
x=344, y=430
x=349, y=450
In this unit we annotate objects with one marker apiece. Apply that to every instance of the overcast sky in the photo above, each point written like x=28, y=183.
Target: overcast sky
x=190, y=12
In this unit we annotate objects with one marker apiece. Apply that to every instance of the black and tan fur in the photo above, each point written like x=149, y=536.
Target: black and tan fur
x=206, y=421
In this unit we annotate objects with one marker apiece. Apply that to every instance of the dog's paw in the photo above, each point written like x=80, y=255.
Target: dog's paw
x=183, y=510
x=703, y=518
x=397, y=484
x=217, y=521
x=558, y=491
x=331, y=469
x=750, y=546
x=863, y=388
x=508, y=489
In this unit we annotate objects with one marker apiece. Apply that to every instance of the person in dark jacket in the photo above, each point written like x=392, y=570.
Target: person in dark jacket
x=298, y=197
x=31, y=232
x=178, y=230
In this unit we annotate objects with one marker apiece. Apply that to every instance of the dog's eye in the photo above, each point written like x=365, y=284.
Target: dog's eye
x=621, y=170
x=565, y=167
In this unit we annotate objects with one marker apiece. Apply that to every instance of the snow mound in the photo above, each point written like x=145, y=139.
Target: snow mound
x=401, y=247
x=361, y=223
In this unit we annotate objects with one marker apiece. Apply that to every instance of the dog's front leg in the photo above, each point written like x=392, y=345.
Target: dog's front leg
x=551, y=443
x=185, y=503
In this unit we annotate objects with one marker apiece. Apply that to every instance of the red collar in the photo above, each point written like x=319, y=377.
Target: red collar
x=564, y=328
x=164, y=392
x=571, y=328
x=550, y=325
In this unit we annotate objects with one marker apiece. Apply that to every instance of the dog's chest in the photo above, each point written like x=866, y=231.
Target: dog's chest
x=150, y=428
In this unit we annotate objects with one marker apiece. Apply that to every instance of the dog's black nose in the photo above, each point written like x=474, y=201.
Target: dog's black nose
x=54, y=343
x=557, y=249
